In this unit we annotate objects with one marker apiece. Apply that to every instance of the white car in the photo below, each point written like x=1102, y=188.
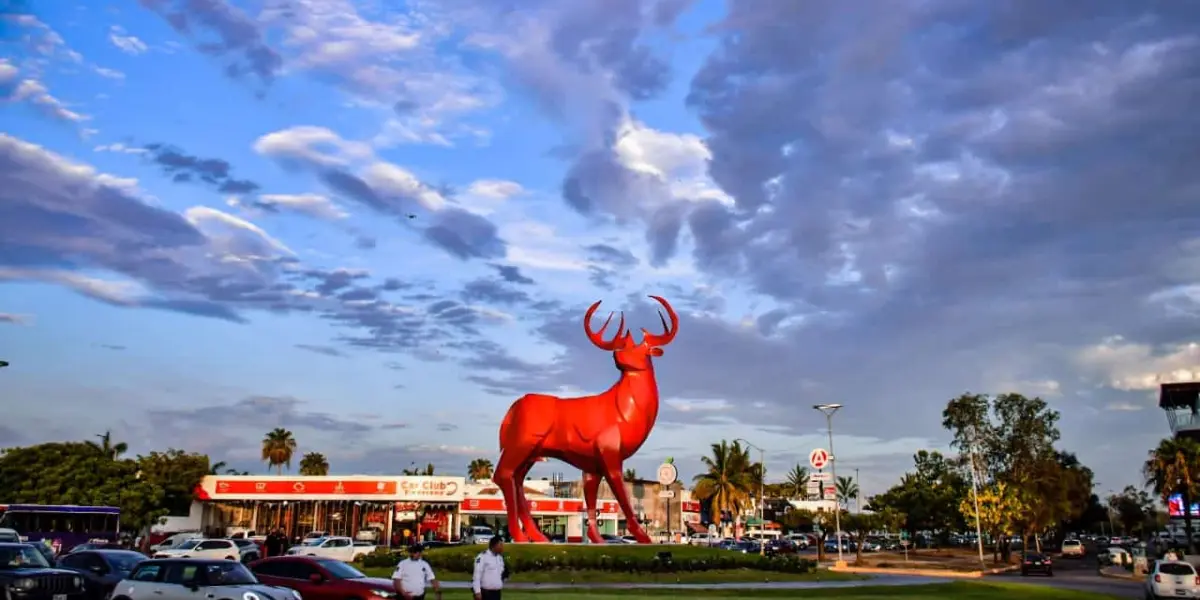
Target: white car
x=217, y=549
x=174, y=540
x=700, y=539
x=1072, y=549
x=1172, y=579
x=479, y=534
x=337, y=547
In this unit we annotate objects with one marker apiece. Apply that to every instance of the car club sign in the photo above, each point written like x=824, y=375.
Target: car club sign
x=418, y=489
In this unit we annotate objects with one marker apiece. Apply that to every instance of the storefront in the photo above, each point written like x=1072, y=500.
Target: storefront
x=379, y=508
x=558, y=518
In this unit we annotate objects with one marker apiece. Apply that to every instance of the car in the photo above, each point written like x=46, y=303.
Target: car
x=1172, y=579
x=248, y=550
x=200, y=548
x=1116, y=556
x=613, y=539
x=1072, y=549
x=479, y=534
x=175, y=540
x=95, y=546
x=26, y=575
x=317, y=578
x=191, y=578
x=1037, y=563
x=101, y=569
x=339, y=547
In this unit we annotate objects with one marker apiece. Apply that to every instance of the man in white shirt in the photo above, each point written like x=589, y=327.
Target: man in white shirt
x=489, y=571
x=413, y=574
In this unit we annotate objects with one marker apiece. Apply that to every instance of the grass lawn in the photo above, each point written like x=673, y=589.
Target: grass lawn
x=714, y=576
x=948, y=591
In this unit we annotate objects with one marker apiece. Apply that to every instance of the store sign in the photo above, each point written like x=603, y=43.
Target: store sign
x=542, y=506
x=426, y=489
x=691, y=506
x=304, y=487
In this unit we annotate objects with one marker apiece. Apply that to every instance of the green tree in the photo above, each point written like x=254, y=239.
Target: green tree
x=314, y=464
x=1132, y=509
x=928, y=497
x=859, y=526
x=221, y=468
x=1174, y=468
x=726, y=479
x=999, y=506
x=278, y=447
x=108, y=447
x=847, y=489
x=480, y=469
x=797, y=482
x=630, y=475
x=419, y=472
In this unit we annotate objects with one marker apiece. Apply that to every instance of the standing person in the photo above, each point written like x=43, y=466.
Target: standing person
x=413, y=574
x=274, y=543
x=490, y=571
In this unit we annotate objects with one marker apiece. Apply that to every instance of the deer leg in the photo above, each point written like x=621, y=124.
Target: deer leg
x=608, y=445
x=591, y=488
x=508, y=466
x=531, y=529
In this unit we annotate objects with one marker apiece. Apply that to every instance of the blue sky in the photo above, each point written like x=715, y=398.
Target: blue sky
x=377, y=226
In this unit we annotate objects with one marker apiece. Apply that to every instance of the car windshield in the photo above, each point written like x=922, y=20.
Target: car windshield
x=1175, y=568
x=188, y=545
x=1071, y=543
x=313, y=542
x=22, y=557
x=340, y=570
x=229, y=573
x=124, y=562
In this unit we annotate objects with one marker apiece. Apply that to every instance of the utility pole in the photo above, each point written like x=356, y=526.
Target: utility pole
x=828, y=410
x=762, y=524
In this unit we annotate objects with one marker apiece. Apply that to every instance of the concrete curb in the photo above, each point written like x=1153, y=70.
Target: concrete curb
x=1124, y=576
x=922, y=572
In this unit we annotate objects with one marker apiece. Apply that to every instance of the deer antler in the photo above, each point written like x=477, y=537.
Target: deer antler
x=597, y=337
x=669, y=331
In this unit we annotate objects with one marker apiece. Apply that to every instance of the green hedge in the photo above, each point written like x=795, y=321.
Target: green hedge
x=619, y=558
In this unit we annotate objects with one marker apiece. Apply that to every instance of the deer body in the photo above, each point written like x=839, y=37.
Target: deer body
x=595, y=434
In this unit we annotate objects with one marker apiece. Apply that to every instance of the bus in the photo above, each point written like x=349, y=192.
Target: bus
x=65, y=526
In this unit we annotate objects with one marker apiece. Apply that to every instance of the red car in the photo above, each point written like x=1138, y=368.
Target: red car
x=321, y=578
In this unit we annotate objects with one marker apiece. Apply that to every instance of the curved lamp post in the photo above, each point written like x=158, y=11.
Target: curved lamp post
x=762, y=524
x=828, y=410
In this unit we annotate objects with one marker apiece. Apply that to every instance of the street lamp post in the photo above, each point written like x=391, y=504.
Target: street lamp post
x=762, y=525
x=828, y=410
x=975, y=494
x=857, y=493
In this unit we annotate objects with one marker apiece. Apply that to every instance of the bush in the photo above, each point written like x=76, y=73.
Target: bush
x=617, y=558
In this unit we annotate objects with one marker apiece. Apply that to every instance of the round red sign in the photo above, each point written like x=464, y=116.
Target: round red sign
x=818, y=458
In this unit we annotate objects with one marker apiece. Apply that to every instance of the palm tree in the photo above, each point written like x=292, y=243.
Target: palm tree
x=630, y=475
x=479, y=469
x=314, y=464
x=1174, y=468
x=107, y=448
x=725, y=484
x=797, y=482
x=847, y=488
x=277, y=449
x=417, y=472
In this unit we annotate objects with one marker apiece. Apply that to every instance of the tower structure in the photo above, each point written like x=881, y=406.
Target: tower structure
x=1181, y=402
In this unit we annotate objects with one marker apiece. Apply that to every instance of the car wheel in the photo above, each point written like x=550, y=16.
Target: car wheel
x=230, y=558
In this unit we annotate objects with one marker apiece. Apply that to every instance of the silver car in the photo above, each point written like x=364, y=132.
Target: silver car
x=189, y=578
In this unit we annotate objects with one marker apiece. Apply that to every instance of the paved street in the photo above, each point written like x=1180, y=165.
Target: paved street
x=1079, y=575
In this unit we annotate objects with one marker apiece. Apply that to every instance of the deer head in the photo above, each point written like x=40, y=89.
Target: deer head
x=628, y=355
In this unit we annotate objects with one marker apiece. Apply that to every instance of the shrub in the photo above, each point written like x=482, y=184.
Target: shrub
x=616, y=558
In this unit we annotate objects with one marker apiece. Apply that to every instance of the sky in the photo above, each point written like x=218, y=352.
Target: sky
x=378, y=224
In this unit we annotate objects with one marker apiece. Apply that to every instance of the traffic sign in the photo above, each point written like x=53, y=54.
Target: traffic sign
x=820, y=477
x=666, y=494
x=818, y=458
x=814, y=487
x=830, y=491
x=667, y=474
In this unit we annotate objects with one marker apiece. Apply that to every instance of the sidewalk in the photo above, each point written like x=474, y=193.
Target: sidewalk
x=939, y=573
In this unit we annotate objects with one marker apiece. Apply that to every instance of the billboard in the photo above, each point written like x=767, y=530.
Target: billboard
x=1175, y=507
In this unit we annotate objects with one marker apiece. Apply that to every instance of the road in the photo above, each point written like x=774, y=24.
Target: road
x=1079, y=575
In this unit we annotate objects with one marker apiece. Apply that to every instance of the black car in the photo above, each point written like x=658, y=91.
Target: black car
x=101, y=569
x=1036, y=563
x=96, y=546
x=26, y=575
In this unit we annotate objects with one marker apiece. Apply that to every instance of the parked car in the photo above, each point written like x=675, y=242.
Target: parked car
x=1072, y=549
x=216, y=549
x=175, y=540
x=335, y=547
x=479, y=534
x=25, y=573
x=95, y=546
x=614, y=539
x=188, y=579
x=320, y=578
x=1037, y=563
x=702, y=539
x=248, y=550
x=101, y=569
x=1172, y=579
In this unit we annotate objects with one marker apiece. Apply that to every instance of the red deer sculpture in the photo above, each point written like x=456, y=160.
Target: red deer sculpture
x=595, y=434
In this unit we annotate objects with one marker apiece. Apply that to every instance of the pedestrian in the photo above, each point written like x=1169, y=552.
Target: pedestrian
x=490, y=571
x=413, y=574
x=275, y=543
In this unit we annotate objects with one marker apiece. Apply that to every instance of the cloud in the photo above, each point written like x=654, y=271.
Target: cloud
x=351, y=171
x=219, y=29
x=1124, y=365
x=316, y=206
x=183, y=167
x=15, y=89
x=124, y=42
x=318, y=349
x=14, y=319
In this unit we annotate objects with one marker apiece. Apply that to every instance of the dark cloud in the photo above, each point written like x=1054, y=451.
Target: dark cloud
x=512, y=274
x=489, y=291
x=465, y=235
x=113, y=347
x=269, y=411
x=325, y=350
x=183, y=167
x=220, y=29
